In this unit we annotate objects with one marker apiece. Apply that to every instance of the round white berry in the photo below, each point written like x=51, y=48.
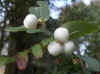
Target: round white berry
x=61, y=34
x=55, y=48
x=30, y=21
x=69, y=47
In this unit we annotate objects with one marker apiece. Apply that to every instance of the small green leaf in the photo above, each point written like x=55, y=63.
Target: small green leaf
x=42, y=3
x=46, y=41
x=16, y=29
x=92, y=63
x=35, y=10
x=42, y=12
x=34, y=31
x=6, y=60
x=37, y=51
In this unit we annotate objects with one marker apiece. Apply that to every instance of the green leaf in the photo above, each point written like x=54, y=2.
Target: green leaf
x=92, y=63
x=46, y=41
x=35, y=10
x=80, y=28
x=34, y=31
x=37, y=51
x=40, y=12
x=6, y=60
x=16, y=29
x=42, y=3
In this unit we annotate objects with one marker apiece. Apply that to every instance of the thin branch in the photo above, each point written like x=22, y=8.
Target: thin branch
x=81, y=61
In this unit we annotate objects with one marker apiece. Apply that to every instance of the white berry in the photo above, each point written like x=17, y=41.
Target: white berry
x=55, y=48
x=61, y=34
x=69, y=47
x=30, y=21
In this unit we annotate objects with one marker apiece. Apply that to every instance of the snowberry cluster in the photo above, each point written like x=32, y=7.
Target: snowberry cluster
x=61, y=35
x=62, y=44
x=30, y=21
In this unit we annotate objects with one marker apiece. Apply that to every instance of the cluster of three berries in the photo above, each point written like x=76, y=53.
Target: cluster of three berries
x=62, y=43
